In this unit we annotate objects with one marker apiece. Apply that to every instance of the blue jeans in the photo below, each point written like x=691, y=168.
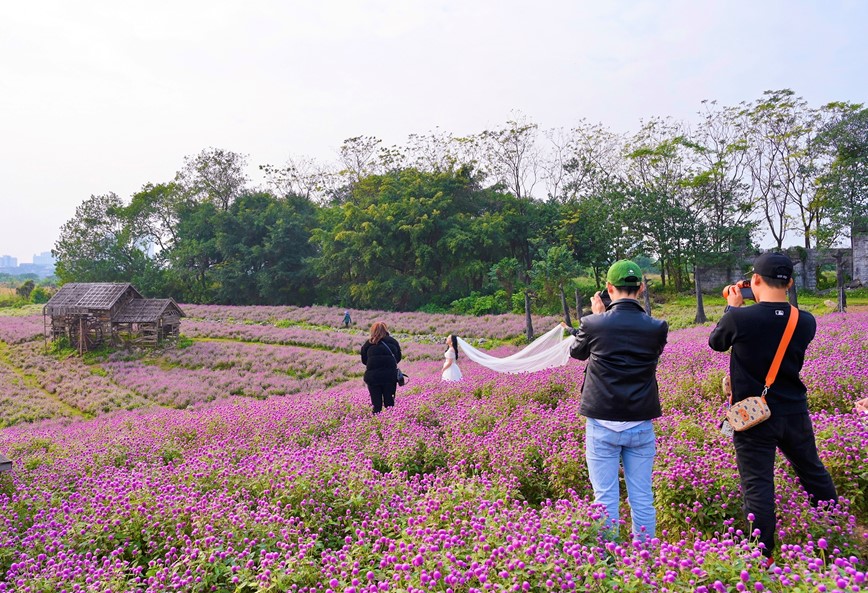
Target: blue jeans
x=635, y=447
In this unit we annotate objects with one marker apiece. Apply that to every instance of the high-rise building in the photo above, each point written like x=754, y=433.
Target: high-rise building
x=44, y=259
x=7, y=261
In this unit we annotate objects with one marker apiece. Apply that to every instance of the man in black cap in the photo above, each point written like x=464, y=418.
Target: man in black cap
x=754, y=334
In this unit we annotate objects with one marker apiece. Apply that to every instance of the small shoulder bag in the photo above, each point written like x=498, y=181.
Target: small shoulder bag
x=402, y=378
x=750, y=411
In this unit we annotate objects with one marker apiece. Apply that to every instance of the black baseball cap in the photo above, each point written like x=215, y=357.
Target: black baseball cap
x=773, y=265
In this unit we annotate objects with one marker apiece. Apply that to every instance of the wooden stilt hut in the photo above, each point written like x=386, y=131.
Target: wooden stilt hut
x=147, y=322
x=89, y=314
x=83, y=312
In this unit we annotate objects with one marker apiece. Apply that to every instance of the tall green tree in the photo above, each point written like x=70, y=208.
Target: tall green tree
x=781, y=132
x=844, y=183
x=98, y=245
x=507, y=274
x=196, y=255
x=657, y=215
x=406, y=236
x=717, y=196
x=264, y=245
x=215, y=175
x=553, y=272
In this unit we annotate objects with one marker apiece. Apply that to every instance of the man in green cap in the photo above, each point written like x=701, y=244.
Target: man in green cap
x=619, y=395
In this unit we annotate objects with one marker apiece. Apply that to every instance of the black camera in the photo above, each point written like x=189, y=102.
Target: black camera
x=604, y=296
x=743, y=286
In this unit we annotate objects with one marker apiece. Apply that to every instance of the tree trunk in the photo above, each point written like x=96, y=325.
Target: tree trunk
x=839, y=276
x=578, y=306
x=793, y=295
x=527, y=319
x=662, y=272
x=565, y=308
x=700, y=308
x=647, y=297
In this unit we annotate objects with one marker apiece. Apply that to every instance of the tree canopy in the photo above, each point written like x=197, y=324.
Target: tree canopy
x=513, y=208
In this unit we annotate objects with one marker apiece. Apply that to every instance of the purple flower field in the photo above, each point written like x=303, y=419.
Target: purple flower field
x=15, y=329
x=473, y=486
x=486, y=326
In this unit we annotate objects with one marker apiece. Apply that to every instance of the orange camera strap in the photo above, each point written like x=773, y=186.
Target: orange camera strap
x=782, y=348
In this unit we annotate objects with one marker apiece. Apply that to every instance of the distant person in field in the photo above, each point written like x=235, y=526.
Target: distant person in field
x=619, y=395
x=451, y=372
x=754, y=334
x=347, y=319
x=381, y=354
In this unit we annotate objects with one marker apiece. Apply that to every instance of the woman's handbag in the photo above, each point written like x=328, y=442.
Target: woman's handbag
x=750, y=411
x=401, y=377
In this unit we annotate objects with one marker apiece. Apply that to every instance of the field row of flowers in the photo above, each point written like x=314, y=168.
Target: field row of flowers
x=474, y=486
x=16, y=329
x=226, y=359
x=210, y=370
x=82, y=387
x=20, y=402
x=207, y=371
x=502, y=327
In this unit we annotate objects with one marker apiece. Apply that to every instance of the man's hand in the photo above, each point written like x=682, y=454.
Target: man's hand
x=597, y=305
x=862, y=405
x=733, y=296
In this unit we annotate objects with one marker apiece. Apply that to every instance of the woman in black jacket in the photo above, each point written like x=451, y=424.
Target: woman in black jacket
x=381, y=354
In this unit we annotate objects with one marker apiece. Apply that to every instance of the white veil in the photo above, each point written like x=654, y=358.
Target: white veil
x=547, y=351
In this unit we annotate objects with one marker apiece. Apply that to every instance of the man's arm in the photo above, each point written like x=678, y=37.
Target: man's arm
x=663, y=337
x=723, y=335
x=582, y=348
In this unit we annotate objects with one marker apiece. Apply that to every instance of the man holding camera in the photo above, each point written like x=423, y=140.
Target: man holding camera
x=619, y=395
x=754, y=334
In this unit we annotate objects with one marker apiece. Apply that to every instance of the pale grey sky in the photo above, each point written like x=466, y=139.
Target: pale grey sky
x=99, y=96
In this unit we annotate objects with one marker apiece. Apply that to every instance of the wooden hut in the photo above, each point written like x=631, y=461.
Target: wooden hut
x=5, y=464
x=83, y=312
x=89, y=314
x=147, y=322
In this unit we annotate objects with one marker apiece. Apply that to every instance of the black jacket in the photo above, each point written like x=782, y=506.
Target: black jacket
x=754, y=334
x=623, y=345
x=380, y=364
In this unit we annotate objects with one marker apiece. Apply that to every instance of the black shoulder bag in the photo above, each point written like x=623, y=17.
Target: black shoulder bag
x=402, y=378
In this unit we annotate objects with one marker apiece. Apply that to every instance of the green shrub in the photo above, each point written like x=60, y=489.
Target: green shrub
x=433, y=308
x=40, y=295
x=477, y=304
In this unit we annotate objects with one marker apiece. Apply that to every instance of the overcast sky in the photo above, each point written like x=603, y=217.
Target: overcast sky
x=99, y=96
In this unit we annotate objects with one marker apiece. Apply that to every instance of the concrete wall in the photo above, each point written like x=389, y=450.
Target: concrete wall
x=860, y=258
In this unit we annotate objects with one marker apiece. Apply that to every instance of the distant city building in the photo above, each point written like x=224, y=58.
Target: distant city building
x=42, y=266
x=44, y=259
x=7, y=261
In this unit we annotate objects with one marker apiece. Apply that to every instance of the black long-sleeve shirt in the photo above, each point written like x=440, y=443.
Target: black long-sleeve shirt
x=754, y=334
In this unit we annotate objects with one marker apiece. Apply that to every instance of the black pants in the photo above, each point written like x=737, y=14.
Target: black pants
x=382, y=395
x=755, y=450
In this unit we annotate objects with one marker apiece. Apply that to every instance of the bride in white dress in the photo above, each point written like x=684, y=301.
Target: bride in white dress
x=451, y=372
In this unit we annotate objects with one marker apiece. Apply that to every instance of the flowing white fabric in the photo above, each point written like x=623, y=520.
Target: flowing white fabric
x=549, y=350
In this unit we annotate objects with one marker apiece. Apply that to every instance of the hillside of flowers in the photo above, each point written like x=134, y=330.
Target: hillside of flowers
x=245, y=461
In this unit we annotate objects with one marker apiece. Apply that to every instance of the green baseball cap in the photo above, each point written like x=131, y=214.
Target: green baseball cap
x=624, y=273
